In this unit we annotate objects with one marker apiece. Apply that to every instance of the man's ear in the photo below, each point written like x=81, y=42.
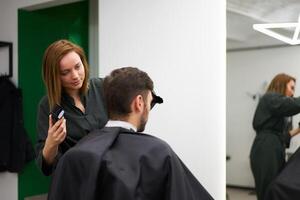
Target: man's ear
x=137, y=104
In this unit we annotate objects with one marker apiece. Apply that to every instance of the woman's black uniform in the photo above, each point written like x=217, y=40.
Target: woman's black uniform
x=78, y=124
x=271, y=123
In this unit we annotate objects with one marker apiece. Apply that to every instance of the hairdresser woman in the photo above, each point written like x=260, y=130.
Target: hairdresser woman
x=65, y=74
x=272, y=123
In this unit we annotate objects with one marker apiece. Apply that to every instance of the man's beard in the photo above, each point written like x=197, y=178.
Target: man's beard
x=143, y=121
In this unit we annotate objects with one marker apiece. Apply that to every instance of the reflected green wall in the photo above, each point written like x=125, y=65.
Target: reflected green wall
x=36, y=30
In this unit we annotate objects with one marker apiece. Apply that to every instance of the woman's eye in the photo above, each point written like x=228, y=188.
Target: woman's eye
x=77, y=66
x=63, y=73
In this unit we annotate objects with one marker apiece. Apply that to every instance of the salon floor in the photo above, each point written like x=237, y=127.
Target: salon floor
x=240, y=194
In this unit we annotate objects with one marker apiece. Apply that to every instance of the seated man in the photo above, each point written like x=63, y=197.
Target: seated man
x=119, y=162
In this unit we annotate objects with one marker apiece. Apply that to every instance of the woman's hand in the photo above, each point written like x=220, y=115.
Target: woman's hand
x=56, y=134
x=294, y=132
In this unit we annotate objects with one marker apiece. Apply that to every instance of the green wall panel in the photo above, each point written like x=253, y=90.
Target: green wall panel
x=37, y=30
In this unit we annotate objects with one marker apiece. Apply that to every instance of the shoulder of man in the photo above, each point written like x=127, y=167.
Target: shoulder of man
x=108, y=135
x=148, y=143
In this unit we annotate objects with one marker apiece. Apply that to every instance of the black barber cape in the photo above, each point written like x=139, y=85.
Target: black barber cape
x=287, y=183
x=117, y=164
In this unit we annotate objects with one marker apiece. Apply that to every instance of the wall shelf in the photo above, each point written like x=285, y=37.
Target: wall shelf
x=8, y=45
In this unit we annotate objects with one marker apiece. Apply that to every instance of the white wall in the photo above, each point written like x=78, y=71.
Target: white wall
x=249, y=72
x=9, y=25
x=181, y=45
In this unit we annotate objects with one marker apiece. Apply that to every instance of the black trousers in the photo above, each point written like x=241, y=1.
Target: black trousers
x=267, y=159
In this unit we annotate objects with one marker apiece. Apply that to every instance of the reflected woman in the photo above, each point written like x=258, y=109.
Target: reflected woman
x=273, y=125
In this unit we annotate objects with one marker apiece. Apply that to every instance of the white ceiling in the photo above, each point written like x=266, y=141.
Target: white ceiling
x=242, y=14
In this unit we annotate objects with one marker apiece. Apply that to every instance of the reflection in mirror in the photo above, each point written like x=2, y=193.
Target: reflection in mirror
x=253, y=60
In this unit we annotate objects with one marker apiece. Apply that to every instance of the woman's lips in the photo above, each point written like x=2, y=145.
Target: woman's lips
x=76, y=83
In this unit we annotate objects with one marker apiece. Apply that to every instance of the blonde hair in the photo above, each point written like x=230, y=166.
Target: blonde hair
x=279, y=83
x=51, y=74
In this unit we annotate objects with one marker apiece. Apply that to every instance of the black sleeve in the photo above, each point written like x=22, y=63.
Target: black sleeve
x=288, y=127
x=283, y=105
x=287, y=140
x=182, y=184
x=42, y=132
x=97, y=85
x=101, y=81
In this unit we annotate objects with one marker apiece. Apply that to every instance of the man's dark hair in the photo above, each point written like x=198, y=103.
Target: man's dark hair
x=122, y=86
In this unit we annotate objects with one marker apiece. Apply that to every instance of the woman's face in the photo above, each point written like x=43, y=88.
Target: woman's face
x=72, y=72
x=290, y=88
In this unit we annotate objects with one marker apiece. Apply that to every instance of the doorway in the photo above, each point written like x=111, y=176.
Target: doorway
x=36, y=31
